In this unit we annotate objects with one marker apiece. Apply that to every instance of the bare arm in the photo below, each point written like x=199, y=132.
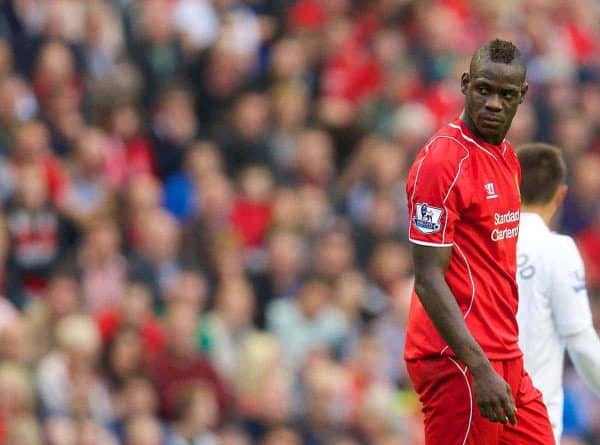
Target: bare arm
x=492, y=393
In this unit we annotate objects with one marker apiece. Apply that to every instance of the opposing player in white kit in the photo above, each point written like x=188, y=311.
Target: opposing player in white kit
x=554, y=312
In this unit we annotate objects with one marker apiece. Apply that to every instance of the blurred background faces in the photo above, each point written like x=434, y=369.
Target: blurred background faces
x=203, y=217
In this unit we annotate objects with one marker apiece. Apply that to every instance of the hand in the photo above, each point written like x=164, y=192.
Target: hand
x=493, y=396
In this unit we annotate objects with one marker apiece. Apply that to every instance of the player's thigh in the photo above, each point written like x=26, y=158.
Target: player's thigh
x=451, y=415
x=533, y=425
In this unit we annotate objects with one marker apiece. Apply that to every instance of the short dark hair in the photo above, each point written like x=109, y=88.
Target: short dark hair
x=499, y=51
x=543, y=170
x=503, y=51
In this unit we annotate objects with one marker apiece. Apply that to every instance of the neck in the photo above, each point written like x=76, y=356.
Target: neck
x=496, y=140
x=546, y=212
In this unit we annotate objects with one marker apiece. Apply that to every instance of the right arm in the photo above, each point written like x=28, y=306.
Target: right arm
x=572, y=314
x=584, y=351
x=492, y=393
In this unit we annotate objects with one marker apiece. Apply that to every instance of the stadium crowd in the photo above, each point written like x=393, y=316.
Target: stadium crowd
x=203, y=225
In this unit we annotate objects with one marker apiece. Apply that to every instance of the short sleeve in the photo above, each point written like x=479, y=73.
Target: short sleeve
x=437, y=192
x=569, y=298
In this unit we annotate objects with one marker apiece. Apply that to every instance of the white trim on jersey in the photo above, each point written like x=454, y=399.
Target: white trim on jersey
x=412, y=197
x=473, y=141
x=468, y=311
x=464, y=374
x=425, y=243
x=460, y=163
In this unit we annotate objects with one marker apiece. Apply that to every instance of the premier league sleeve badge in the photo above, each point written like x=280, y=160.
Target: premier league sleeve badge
x=427, y=218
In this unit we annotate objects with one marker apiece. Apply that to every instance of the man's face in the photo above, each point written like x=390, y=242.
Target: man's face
x=493, y=93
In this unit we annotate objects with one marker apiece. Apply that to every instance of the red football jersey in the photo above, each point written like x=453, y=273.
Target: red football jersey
x=464, y=192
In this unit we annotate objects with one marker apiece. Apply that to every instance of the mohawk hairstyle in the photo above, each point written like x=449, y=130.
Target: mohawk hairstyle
x=499, y=51
x=503, y=51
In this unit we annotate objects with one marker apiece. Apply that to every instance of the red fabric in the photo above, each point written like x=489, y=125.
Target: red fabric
x=151, y=331
x=139, y=156
x=444, y=101
x=464, y=193
x=307, y=14
x=55, y=177
x=352, y=73
x=588, y=241
x=583, y=42
x=172, y=375
x=251, y=220
x=451, y=413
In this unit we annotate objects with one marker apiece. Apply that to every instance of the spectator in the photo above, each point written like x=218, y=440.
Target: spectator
x=18, y=402
x=223, y=330
x=177, y=173
x=307, y=323
x=134, y=312
x=334, y=252
x=285, y=265
x=38, y=237
x=179, y=365
x=32, y=152
x=251, y=213
x=67, y=378
x=231, y=435
x=173, y=129
x=144, y=430
x=282, y=436
x=90, y=193
x=103, y=268
x=143, y=196
x=125, y=127
x=158, y=53
x=62, y=298
x=181, y=191
x=157, y=261
x=247, y=143
x=197, y=417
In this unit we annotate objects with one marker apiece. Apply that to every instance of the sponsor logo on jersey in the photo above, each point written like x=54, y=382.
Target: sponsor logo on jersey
x=427, y=218
x=510, y=217
x=490, y=191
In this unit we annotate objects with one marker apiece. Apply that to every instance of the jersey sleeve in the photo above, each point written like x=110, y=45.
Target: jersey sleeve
x=437, y=192
x=569, y=298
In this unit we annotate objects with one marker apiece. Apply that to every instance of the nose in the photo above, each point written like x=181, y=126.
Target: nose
x=493, y=103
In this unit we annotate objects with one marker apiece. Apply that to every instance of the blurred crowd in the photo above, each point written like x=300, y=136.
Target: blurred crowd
x=203, y=224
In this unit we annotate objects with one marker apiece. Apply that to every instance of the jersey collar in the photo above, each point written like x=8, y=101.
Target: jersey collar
x=496, y=151
x=535, y=220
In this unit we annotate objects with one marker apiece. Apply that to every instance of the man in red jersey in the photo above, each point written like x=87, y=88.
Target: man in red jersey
x=463, y=195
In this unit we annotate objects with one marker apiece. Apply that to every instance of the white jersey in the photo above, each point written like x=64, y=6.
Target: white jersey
x=553, y=304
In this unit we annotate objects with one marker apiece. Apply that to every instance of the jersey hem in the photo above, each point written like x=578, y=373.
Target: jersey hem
x=426, y=243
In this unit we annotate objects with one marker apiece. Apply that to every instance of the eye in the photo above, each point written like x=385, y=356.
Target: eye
x=508, y=94
x=483, y=90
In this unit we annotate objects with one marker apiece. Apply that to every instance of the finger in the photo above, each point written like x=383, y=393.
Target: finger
x=498, y=413
x=485, y=412
x=509, y=409
x=489, y=412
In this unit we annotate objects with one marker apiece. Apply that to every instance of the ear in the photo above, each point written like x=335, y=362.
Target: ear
x=524, y=90
x=560, y=194
x=464, y=82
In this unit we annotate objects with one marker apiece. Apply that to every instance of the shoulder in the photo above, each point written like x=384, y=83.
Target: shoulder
x=563, y=248
x=446, y=143
x=444, y=151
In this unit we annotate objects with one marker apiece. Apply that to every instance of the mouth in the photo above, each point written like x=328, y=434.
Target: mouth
x=491, y=121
